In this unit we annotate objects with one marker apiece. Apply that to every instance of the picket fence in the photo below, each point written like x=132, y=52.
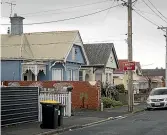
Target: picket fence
x=63, y=98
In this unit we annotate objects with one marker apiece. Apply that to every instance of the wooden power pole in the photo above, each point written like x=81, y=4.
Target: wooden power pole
x=130, y=58
x=165, y=28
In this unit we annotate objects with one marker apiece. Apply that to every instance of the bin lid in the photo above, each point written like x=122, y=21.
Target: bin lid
x=49, y=102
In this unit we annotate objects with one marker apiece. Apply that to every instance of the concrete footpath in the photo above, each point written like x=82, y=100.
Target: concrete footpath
x=81, y=118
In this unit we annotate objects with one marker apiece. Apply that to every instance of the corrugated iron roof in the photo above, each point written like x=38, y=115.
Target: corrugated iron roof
x=39, y=45
x=153, y=72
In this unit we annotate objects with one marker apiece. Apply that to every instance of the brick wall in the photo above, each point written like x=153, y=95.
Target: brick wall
x=84, y=94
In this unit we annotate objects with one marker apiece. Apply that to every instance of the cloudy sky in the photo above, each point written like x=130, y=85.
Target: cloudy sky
x=107, y=26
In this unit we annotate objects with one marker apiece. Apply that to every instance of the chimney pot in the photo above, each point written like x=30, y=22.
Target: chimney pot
x=15, y=15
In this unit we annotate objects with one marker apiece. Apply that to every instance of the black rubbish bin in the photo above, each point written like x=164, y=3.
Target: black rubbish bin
x=60, y=114
x=49, y=115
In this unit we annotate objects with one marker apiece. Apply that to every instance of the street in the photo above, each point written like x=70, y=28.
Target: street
x=145, y=123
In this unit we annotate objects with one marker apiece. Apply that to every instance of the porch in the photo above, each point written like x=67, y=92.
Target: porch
x=33, y=71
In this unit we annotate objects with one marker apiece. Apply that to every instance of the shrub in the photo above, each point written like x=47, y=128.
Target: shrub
x=116, y=103
x=107, y=102
x=120, y=88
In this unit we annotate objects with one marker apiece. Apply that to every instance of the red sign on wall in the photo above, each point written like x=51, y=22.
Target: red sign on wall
x=129, y=66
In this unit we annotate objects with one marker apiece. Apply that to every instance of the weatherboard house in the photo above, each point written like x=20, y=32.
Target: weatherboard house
x=41, y=55
x=102, y=63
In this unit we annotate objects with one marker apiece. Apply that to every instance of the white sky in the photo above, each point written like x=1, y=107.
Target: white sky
x=111, y=26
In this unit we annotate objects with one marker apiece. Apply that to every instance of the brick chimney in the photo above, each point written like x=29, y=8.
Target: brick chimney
x=16, y=24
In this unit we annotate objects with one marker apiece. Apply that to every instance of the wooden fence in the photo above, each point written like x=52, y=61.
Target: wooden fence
x=63, y=98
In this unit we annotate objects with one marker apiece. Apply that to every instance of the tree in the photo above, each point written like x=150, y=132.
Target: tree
x=149, y=80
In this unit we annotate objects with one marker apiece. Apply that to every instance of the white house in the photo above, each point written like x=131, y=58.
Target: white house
x=102, y=62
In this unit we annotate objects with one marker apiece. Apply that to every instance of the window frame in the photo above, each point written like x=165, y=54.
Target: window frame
x=61, y=74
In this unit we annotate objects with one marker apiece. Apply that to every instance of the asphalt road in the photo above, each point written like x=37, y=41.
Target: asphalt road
x=145, y=123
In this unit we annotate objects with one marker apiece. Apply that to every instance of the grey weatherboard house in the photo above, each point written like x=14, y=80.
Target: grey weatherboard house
x=102, y=62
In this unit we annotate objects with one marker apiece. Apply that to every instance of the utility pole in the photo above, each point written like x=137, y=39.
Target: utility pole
x=130, y=58
x=165, y=28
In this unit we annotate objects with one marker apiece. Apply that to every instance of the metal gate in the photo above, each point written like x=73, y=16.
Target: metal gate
x=19, y=105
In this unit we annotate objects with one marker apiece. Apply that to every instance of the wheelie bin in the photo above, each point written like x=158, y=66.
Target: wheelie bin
x=50, y=110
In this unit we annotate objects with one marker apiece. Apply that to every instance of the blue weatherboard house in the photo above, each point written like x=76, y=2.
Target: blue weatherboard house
x=41, y=55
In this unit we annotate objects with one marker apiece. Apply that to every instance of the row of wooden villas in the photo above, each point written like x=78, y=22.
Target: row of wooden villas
x=62, y=56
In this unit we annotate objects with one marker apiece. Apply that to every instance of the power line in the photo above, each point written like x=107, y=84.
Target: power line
x=103, y=41
x=53, y=43
x=153, y=11
x=83, y=5
x=109, y=11
x=144, y=12
x=157, y=9
x=145, y=18
x=11, y=45
x=72, y=18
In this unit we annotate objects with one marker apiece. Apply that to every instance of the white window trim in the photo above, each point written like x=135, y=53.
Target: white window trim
x=81, y=76
x=61, y=73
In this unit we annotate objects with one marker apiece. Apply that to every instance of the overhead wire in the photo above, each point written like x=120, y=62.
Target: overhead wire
x=145, y=18
x=153, y=11
x=135, y=10
x=11, y=45
x=142, y=11
x=72, y=18
x=108, y=11
x=61, y=9
x=156, y=9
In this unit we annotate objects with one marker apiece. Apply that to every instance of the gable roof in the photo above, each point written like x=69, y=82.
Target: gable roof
x=99, y=53
x=39, y=45
x=121, y=66
x=153, y=72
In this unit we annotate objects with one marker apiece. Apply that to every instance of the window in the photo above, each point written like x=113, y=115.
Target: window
x=75, y=75
x=98, y=77
x=80, y=75
x=110, y=77
x=69, y=75
x=57, y=74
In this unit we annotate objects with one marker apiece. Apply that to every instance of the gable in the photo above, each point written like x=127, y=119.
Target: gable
x=76, y=55
x=98, y=53
x=112, y=61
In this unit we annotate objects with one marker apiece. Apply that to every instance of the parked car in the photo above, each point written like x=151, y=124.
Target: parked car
x=157, y=98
